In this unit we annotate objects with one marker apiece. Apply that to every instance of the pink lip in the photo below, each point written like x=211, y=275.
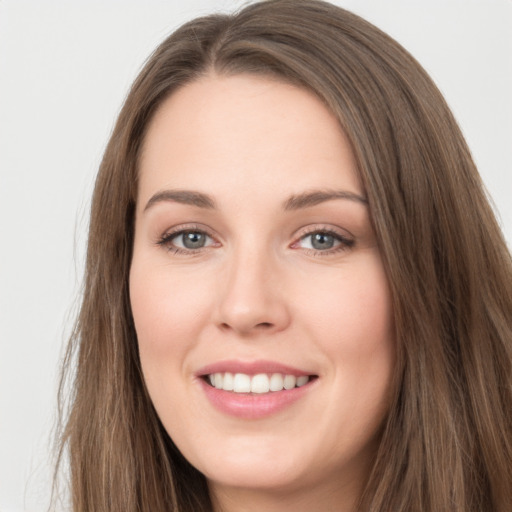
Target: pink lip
x=251, y=405
x=251, y=368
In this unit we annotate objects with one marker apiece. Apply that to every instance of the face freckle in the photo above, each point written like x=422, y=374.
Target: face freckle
x=254, y=255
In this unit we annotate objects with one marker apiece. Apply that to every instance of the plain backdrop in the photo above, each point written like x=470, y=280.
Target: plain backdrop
x=65, y=68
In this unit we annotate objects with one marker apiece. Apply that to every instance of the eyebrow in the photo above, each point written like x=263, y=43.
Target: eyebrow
x=314, y=197
x=294, y=202
x=189, y=197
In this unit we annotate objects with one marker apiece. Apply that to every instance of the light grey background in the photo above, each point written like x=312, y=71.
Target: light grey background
x=64, y=70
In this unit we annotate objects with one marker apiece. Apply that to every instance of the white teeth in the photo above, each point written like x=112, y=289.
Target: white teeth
x=242, y=383
x=260, y=383
x=290, y=381
x=227, y=384
x=276, y=382
x=219, y=377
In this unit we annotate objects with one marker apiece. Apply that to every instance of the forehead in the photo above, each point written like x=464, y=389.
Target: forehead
x=245, y=131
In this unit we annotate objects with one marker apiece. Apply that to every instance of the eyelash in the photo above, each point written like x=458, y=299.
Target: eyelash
x=344, y=242
x=167, y=238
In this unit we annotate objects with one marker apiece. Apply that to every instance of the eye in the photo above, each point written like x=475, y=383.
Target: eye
x=323, y=241
x=319, y=241
x=186, y=240
x=191, y=240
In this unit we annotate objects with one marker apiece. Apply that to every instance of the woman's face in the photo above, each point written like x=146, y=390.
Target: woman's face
x=255, y=267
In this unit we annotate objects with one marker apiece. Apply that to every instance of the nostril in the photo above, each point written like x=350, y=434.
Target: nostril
x=263, y=326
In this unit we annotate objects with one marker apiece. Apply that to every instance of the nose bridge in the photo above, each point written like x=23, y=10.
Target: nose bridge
x=251, y=297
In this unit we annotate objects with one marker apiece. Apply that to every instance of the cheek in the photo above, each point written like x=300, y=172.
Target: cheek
x=169, y=310
x=352, y=307
x=352, y=321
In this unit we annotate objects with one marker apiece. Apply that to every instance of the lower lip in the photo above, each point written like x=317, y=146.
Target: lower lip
x=253, y=405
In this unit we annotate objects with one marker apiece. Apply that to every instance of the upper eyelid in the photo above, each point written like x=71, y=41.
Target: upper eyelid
x=322, y=228
x=183, y=228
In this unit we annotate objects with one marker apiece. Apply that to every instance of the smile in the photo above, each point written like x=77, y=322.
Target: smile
x=260, y=383
x=254, y=390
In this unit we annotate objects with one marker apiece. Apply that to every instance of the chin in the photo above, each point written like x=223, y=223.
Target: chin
x=241, y=465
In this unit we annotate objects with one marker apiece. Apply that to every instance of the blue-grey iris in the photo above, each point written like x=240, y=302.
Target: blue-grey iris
x=322, y=241
x=193, y=240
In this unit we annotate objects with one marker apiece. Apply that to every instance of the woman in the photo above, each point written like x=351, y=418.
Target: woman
x=296, y=293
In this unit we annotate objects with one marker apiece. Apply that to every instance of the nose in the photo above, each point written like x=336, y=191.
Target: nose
x=252, y=299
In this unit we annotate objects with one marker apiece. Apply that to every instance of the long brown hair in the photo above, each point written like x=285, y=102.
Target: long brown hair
x=447, y=441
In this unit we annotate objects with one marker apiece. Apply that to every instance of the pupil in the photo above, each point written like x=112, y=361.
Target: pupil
x=322, y=241
x=193, y=240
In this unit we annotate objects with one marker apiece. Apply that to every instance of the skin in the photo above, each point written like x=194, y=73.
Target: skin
x=258, y=290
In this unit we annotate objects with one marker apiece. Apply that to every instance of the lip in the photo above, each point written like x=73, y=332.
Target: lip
x=251, y=368
x=251, y=406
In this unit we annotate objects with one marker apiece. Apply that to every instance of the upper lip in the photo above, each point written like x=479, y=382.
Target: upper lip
x=251, y=368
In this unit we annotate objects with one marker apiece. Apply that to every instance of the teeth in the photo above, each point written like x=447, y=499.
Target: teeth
x=228, y=382
x=260, y=383
x=290, y=381
x=276, y=382
x=303, y=379
x=218, y=380
x=241, y=383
